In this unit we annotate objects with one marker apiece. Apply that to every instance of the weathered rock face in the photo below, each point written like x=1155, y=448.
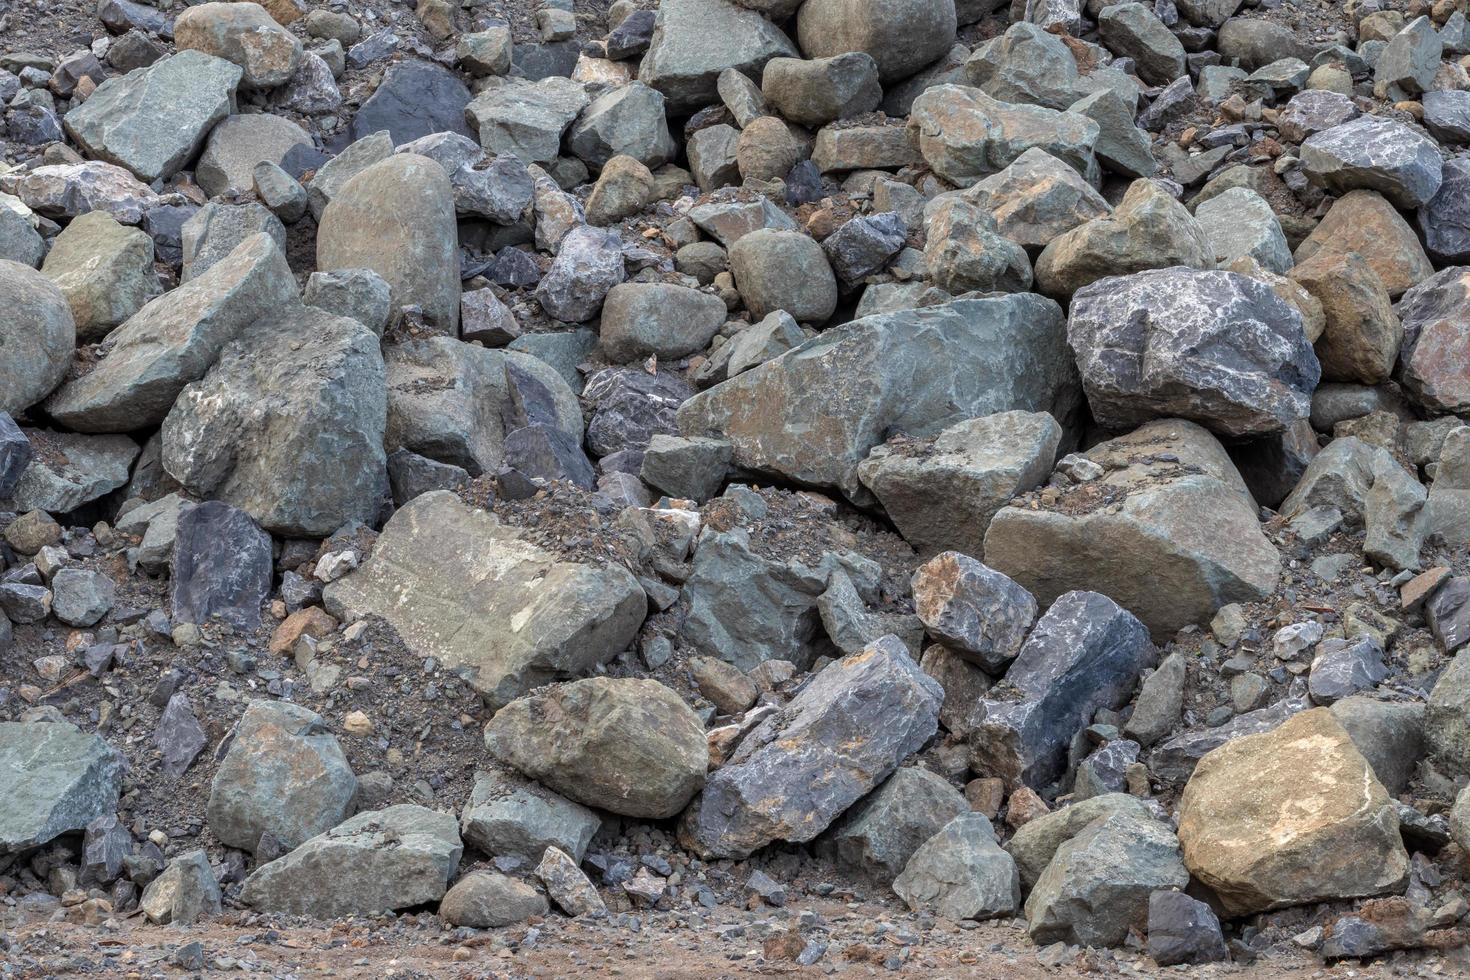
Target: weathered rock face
x=38, y=336
x=1026, y=64
x=1085, y=653
x=69, y=470
x=965, y=135
x=695, y=40
x=1122, y=549
x=1098, y=883
x=288, y=425
x=1239, y=222
x=639, y=319
x=511, y=614
x=1290, y=817
x=186, y=892
x=902, y=37
x=1037, y=198
x=1434, y=361
x=238, y=143
x=1375, y=153
x=629, y=746
x=814, y=413
x=1360, y=339
x=1368, y=487
x=527, y=119
x=505, y=817
x=284, y=775
x=880, y=833
x=105, y=271
x=456, y=402
x=942, y=496
x=1035, y=842
x=55, y=779
x=397, y=219
x=964, y=252
x=244, y=34
x=629, y=121
x=216, y=230
x=783, y=270
x=377, y=861
x=1213, y=347
x=976, y=612
x=487, y=900
x=174, y=340
x=961, y=873
x=1365, y=222
x=846, y=731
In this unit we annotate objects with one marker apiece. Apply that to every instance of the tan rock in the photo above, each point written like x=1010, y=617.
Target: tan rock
x=1360, y=342
x=313, y=621
x=1366, y=223
x=1289, y=817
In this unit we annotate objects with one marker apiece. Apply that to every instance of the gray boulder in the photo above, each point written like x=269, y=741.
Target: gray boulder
x=902, y=37
x=629, y=746
x=814, y=413
x=184, y=893
x=216, y=230
x=283, y=775
x=236, y=144
x=527, y=119
x=1341, y=668
x=1239, y=223
x=670, y=321
x=1435, y=325
x=55, y=780
x=174, y=340
x=624, y=121
x=783, y=270
x=961, y=873
x=19, y=240
x=846, y=731
x=811, y=93
x=1375, y=153
x=964, y=252
x=39, y=337
x=1035, y=842
x=1221, y=349
x=1183, y=930
x=153, y=120
x=357, y=293
x=694, y=41
x=246, y=35
x=506, y=817
x=588, y=263
x=1389, y=734
x=1133, y=30
x=69, y=469
x=525, y=619
x=1445, y=218
x=375, y=862
x=487, y=900
x=1026, y=64
x=416, y=98
x=81, y=597
x=1369, y=488
x=1407, y=65
x=882, y=831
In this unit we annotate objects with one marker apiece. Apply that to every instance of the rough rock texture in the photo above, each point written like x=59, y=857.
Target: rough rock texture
x=105, y=271
x=976, y=612
x=221, y=566
x=695, y=40
x=1434, y=361
x=1122, y=550
x=882, y=831
x=902, y=37
x=639, y=319
x=55, y=779
x=1331, y=831
x=628, y=746
x=473, y=607
x=38, y=337
x=813, y=758
x=961, y=873
x=815, y=413
x=965, y=135
x=505, y=817
x=1375, y=153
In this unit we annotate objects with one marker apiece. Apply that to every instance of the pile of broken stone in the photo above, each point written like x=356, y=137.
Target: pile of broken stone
x=1021, y=444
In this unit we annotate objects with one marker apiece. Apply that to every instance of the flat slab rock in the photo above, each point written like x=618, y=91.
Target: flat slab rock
x=459, y=586
x=54, y=779
x=377, y=861
x=846, y=731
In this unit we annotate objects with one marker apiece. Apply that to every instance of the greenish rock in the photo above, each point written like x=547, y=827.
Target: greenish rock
x=104, y=270
x=55, y=779
x=961, y=873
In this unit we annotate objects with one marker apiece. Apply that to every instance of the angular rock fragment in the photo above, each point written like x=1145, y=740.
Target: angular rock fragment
x=1378, y=154
x=976, y=612
x=38, y=335
x=961, y=873
x=222, y=567
x=507, y=818
x=55, y=779
x=882, y=832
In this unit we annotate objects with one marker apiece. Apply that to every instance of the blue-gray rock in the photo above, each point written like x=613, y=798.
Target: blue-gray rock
x=415, y=98
x=377, y=861
x=631, y=406
x=178, y=737
x=627, y=121
x=81, y=597
x=527, y=119
x=1134, y=31
x=846, y=731
x=1341, y=668
x=541, y=451
x=19, y=241
x=1407, y=65
x=1085, y=653
x=961, y=873
x=508, y=817
x=1314, y=110
x=1173, y=761
x=104, y=846
x=1374, y=153
x=1213, y=347
x=1240, y=223
x=882, y=831
x=1445, y=218
x=39, y=337
x=1035, y=842
x=588, y=264
x=978, y=614
x=154, y=120
x=55, y=779
x=1183, y=930
x=813, y=414
x=1121, y=146
x=186, y=892
x=15, y=455
x=222, y=567
x=1026, y=64
x=283, y=775
x=71, y=469
x=294, y=388
x=966, y=135
x=357, y=293
x=214, y=231
x=632, y=35
x=1105, y=770
x=1447, y=115
x=864, y=245
x=694, y=469
x=1098, y=884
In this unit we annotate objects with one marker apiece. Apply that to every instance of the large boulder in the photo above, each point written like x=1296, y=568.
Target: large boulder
x=104, y=269
x=397, y=219
x=1157, y=481
x=965, y=135
x=796, y=772
x=1367, y=223
x=670, y=321
x=1361, y=335
x=882, y=831
x=460, y=587
x=38, y=336
x=416, y=98
x=1239, y=222
x=375, y=862
x=55, y=779
x=942, y=493
x=1334, y=832
x=174, y=340
x=1149, y=230
x=284, y=775
x=527, y=119
x=288, y=424
x=1037, y=198
x=813, y=414
x=242, y=33
x=237, y=144
x=1026, y=64
x=961, y=873
x=901, y=35
x=1378, y=154
x=783, y=270
x=1035, y=842
x=1217, y=348
x=153, y=120
x=694, y=41
x=1434, y=360
x=1085, y=653
x=624, y=121
x=632, y=747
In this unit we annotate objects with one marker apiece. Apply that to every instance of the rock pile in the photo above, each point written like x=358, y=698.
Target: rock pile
x=649, y=460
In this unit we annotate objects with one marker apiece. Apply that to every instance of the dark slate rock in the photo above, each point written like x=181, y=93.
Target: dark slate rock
x=1106, y=770
x=514, y=267
x=1447, y=115
x=804, y=184
x=1448, y=613
x=1445, y=219
x=1183, y=930
x=1216, y=348
x=863, y=246
x=15, y=454
x=104, y=846
x=631, y=406
x=1342, y=668
x=1174, y=760
x=538, y=61
x=33, y=125
x=810, y=760
x=1085, y=653
x=121, y=16
x=221, y=566
x=1376, y=153
x=630, y=38
x=546, y=452
x=410, y=475
x=179, y=737
x=374, y=47
x=164, y=223
x=416, y=98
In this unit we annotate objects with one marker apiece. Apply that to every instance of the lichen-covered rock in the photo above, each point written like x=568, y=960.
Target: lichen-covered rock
x=459, y=586
x=846, y=731
x=1334, y=833
x=628, y=746
x=1213, y=347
